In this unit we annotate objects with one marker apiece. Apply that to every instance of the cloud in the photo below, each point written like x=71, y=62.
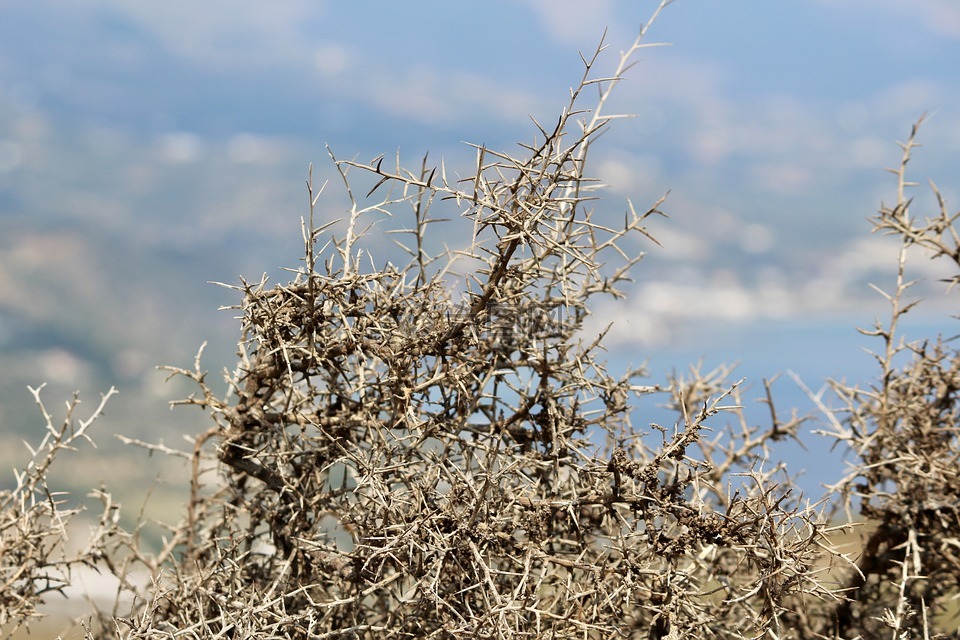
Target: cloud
x=11, y=155
x=653, y=311
x=782, y=177
x=838, y=283
x=912, y=97
x=434, y=96
x=941, y=17
x=224, y=34
x=566, y=20
x=248, y=148
x=757, y=238
x=180, y=147
x=331, y=59
x=629, y=173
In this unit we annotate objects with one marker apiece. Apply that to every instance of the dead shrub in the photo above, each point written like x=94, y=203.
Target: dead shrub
x=435, y=449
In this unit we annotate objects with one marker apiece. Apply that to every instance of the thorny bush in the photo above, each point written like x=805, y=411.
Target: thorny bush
x=435, y=449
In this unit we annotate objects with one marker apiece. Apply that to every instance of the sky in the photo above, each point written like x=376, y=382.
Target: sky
x=183, y=125
x=769, y=122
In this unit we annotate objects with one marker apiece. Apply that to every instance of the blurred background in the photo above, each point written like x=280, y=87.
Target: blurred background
x=149, y=149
